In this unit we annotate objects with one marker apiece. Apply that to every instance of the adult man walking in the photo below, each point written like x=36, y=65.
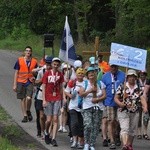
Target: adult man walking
x=52, y=89
x=112, y=80
x=23, y=82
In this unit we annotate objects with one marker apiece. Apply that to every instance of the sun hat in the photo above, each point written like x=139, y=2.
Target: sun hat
x=77, y=64
x=80, y=71
x=131, y=72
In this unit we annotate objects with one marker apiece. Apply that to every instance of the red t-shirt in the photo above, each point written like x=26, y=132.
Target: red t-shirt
x=53, y=81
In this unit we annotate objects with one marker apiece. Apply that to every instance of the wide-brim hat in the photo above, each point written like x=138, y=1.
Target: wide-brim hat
x=131, y=72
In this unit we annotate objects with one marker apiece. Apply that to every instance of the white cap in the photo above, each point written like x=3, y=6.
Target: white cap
x=77, y=63
x=92, y=60
x=131, y=72
x=56, y=59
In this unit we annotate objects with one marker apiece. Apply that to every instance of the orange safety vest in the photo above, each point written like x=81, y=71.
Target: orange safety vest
x=25, y=72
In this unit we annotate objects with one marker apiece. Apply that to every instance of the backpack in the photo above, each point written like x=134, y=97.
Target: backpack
x=80, y=99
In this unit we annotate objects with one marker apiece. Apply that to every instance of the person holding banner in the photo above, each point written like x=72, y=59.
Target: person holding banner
x=112, y=80
x=129, y=97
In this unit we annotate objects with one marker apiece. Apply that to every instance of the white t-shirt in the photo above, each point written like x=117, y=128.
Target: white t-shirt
x=87, y=101
x=40, y=76
x=73, y=104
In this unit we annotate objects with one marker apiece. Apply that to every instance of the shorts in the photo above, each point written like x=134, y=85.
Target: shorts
x=24, y=91
x=111, y=113
x=52, y=108
x=38, y=104
x=104, y=114
x=128, y=122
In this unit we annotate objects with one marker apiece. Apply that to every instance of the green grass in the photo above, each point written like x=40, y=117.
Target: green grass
x=36, y=42
x=5, y=144
x=9, y=130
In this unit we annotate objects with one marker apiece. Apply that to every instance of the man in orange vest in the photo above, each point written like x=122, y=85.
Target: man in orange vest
x=23, y=82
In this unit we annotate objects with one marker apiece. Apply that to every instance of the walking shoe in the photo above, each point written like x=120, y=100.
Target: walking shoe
x=47, y=139
x=54, y=143
x=74, y=144
x=64, y=130
x=71, y=139
x=105, y=143
x=80, y=146
x=25, y=119
x=130, y=147
x=92, y=148
x=112, y=146
x=117, y=142
x=86, y=147
x=124, y=147
x=30, y=118
x=60, y=129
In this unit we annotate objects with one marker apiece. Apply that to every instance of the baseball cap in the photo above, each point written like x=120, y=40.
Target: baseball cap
x=56, y=59
x=77, y=64
x=131, y=72
x=66, y=66
x=92, y=60
x=48, y=59
x=90, y=69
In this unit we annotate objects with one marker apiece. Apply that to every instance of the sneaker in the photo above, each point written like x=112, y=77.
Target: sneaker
x=112, y=146
x=71, y=139
x=86, y=147
x=74, y=144
x=92, y=148
x=64, y=130
x=25, y=119
x=60, y=129
x=47, y=139
x=30, y=118
x=105, y=143
x=117, y=142
x=80, y=146
x=54, y=143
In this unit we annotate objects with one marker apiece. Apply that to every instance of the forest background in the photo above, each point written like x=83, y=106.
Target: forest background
x=122, y=21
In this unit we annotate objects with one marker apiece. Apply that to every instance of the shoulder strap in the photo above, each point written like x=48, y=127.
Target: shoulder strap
x=99, y=83
x=44, y=70
x=86, y=84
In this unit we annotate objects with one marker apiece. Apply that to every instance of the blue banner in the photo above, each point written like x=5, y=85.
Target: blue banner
x=128, y=56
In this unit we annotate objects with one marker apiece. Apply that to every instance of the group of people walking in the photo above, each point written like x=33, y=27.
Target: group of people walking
x=92, y=96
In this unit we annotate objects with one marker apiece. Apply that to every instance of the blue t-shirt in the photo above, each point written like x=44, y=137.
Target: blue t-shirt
x=111, y=85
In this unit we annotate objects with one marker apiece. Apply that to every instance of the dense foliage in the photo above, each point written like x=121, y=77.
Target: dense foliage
x=123, y=21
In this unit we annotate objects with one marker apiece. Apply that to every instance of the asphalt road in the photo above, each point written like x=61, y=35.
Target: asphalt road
x=9, y=102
